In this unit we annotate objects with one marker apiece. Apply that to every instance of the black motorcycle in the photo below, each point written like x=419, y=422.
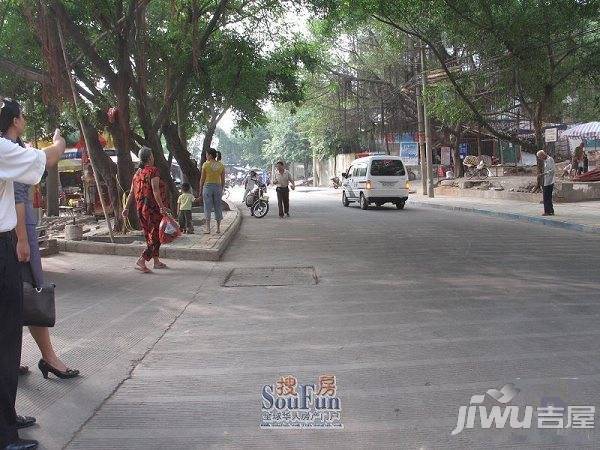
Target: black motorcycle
x=258, y=201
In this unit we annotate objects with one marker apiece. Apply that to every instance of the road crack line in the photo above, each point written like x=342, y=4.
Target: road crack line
x=136, y=362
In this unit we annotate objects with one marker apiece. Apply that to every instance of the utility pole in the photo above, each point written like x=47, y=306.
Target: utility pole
x=422, y=156
x=428, y=149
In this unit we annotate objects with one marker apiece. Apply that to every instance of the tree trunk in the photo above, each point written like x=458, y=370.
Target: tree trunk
x=163, y=166
x=121, y=133
x=182, y=156
x=455, y=145
x=53, y=179
x=107, y=172
x=208, y=137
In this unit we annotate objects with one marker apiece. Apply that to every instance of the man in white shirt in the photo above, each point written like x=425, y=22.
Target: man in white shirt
x=25, y=165
x=547, y=181
x=283, y=180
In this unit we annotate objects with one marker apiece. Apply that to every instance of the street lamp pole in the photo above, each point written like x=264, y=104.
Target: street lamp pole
x=428, y=146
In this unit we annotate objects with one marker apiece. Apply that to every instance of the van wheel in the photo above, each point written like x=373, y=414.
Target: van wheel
x=400, y=204
x=364, y=204
x=345, y=200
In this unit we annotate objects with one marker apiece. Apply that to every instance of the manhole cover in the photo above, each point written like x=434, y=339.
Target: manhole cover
x=271, y=276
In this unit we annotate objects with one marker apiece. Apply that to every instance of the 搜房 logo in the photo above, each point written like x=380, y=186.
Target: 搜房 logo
x=289, y=404
x=551, y=414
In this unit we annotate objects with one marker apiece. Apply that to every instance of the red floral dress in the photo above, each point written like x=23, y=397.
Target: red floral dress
x=147, y=208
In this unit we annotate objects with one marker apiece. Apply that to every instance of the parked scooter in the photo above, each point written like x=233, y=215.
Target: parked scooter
x=258, y=201
x=475, y=167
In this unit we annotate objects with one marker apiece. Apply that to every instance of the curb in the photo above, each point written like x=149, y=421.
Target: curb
x=514, y=216
x=182, y=253
x=231, y=231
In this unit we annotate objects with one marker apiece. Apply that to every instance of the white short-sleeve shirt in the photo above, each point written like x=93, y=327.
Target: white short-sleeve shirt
x=549, y=169
x=25, y=165
x=283, y=179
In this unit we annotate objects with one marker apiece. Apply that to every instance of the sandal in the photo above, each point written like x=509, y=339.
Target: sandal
x=142, y=269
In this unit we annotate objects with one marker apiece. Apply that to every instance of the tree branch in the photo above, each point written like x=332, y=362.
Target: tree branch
x=87, y=47
x=28, y=73
x=479, y=118
x=182, y=80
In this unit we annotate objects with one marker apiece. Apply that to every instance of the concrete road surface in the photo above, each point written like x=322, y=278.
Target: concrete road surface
x=414, y=312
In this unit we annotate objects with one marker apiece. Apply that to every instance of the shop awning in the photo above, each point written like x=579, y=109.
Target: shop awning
x=70, y=161
x=70, y=165
x=590, y=130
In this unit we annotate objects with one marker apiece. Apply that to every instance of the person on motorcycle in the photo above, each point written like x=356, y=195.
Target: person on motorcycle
x=250, y=183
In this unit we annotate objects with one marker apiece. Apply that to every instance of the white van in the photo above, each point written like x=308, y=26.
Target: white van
x=376, y=179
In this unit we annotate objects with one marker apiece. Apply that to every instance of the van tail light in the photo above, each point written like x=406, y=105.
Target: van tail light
x=407, y=185
x=368, y=185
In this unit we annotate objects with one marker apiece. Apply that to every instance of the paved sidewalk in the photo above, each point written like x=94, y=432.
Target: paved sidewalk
x=196, y=247
x=582, y=216
x=109, y=316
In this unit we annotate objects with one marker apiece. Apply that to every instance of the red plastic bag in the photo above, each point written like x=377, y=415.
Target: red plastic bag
x=169, y=230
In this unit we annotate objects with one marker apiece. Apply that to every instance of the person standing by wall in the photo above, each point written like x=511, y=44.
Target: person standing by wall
x=211, y=187
x=283, y=180
x=547, y=181
x=24, y=165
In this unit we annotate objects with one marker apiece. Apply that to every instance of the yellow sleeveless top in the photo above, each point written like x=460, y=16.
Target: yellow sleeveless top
x=212, y=171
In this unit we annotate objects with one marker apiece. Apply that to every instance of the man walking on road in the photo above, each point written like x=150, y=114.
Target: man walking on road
x=547, y=181
x=283, y=180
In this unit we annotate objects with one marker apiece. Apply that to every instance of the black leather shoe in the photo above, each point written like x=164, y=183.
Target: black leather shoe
x=22, y=444
x=25, y=421
x=45, y=368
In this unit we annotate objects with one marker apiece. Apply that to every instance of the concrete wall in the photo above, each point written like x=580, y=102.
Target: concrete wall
x=578, y=192
x=326, y=169
x=564, y=192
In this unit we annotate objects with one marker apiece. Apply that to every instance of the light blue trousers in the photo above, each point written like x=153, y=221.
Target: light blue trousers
x=211, y=196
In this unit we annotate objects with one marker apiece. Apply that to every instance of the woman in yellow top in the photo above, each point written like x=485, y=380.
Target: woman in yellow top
x=212, y=182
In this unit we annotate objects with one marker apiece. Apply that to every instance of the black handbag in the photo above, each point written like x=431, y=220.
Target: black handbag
x=38, y=301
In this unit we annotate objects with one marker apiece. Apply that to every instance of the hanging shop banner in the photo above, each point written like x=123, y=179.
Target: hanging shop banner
x=409, y=152
x=445, y=154
x=463, y=150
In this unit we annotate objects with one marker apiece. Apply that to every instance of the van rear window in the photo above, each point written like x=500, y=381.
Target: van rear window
x=387, y=168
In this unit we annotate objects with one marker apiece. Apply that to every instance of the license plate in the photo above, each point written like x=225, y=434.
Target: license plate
x=389, y=183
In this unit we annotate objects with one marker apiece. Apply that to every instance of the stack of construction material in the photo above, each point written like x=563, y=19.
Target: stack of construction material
x=592, y=175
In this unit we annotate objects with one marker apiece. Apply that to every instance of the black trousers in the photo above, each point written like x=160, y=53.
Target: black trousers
x=283, y=200
x=548, y=206
x=185, y=221
x=11, y=330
